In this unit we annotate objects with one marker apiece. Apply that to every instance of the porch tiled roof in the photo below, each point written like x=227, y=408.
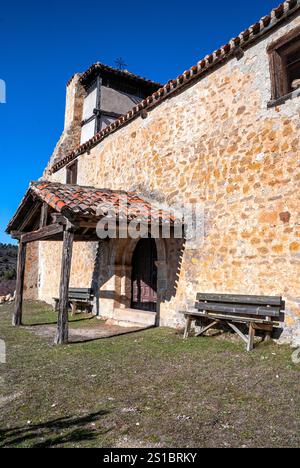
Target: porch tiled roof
x=227, y=51
x=94, y=202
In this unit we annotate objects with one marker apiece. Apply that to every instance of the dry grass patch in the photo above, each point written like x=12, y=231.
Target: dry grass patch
x=148, y=388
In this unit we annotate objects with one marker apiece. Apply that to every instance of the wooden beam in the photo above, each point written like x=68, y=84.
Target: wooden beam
x=98, y=105
x=238, y=309
x=58, y=218
x=43, y=233
x=114, y=115
x=62, y=333
x=17, y=315
x=264, y=326
x=232, y=318
x=86, y=238
x=44, y=215
x=30, y=215
x=16, y=234
x=208, y=327
x=188, y=325
x=77, y=238
x=88, y=223
x=250, y=344
x=67, y=221
x=86, y=121
x=238, y=331
x=241, y=299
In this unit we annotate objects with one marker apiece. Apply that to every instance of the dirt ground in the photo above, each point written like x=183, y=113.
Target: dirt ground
x=87, y=329
x=145, y=388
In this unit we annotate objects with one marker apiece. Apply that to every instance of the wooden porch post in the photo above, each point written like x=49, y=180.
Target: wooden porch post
x=62, y=323
x=17, y=316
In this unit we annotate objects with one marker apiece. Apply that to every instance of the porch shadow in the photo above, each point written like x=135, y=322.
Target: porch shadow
x=55, y=323
x=115, y=335
x=77, y=431
x=86, y=334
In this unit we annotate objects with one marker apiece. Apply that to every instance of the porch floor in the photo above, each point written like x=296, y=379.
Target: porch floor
x=82, y=328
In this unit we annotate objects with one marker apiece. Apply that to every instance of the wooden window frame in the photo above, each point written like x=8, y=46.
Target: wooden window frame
x=278, y=52
x=72, y=173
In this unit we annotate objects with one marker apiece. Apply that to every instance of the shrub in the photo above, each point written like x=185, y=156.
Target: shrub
x=10, y=275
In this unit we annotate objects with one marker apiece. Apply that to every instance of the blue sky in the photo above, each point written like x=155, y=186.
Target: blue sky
x=44, y=43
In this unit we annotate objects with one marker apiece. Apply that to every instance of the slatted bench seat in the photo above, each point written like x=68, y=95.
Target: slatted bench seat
x=78, y=297
x=257, y=312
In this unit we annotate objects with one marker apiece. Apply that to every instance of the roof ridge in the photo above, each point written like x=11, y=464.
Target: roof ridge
x=127, y=73
x=220, y=55
x=34, y=184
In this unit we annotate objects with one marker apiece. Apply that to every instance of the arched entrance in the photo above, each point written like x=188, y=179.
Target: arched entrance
x=144, y=276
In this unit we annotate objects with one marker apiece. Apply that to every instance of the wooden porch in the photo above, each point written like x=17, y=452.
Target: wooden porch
x=60, y=229
x=58, y=212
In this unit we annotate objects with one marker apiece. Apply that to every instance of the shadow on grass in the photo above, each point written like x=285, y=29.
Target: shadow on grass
x=109, y=337
x=52, y=432
x=74, y=320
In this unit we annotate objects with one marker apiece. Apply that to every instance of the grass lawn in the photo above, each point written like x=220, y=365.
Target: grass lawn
x=144, y=389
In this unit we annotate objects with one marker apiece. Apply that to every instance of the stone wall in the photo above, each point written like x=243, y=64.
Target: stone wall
x=70, y=138
x=218, y=144
x=82, y=273
x=31, y=280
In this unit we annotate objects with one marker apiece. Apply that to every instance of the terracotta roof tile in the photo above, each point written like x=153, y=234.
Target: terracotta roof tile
x=91, y=202
x=86, y=201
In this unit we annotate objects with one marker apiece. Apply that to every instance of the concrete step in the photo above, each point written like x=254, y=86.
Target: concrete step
x=133, y=318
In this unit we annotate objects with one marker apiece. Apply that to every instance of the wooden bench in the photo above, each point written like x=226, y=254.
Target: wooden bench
x=257, y=312
x=78, y=297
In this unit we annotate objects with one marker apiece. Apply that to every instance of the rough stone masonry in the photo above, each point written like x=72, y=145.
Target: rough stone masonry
x=218, y=143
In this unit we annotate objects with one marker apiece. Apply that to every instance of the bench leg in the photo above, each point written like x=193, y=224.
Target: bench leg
x=74, y=308
x=187, y=327
x=268, y=334
x=56, y=305
x=238, y=331
x=251, y=337
x=208, y=327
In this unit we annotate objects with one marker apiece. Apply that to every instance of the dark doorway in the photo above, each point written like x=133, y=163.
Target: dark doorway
x=144, y=276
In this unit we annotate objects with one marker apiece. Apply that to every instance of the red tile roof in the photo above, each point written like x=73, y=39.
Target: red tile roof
x=201, y=68
x=87, y=201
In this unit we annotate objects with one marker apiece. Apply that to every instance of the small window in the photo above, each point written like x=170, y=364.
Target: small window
x=72, y=173
x=285, y=65
x=293, y=68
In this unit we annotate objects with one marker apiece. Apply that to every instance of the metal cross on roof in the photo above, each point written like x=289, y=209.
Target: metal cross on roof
x=120, y=63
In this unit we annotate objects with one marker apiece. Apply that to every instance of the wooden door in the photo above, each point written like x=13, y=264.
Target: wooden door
x=144, y=276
